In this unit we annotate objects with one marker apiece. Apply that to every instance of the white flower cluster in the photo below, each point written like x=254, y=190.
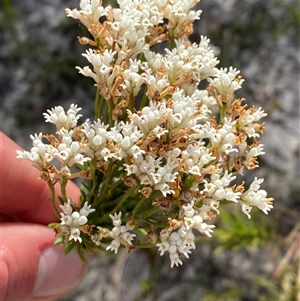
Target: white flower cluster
x=181, y=242
x=67, y=120
x=256, y=197
x=177, y=148
x=119, y=234
x=152, y=167
x=218, y=188
x=63, y=149
x=73, y=222
x=133, y=21
x=225, y=81
x=184, y=66
x=128, y=31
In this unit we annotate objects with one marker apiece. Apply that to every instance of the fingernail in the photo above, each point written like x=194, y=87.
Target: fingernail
x=58, y=273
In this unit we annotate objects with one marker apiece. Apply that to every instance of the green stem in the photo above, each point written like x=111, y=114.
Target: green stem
x=52, y=190
x=101, y=107
x=222, y=113
x=97, y=104
x=172, y=42
x=146, y=201
x=144, y=99
x=106, y=185
x=108, y=196
x=138, y=206
x=63, y=185
x=110, y=108
x=147, y=213
x=123, y=199
x=142, y=57
x=131, y=102
x=94, y=181
x=99, y=42
x=119, y=202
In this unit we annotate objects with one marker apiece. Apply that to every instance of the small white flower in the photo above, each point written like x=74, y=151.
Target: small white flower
x=172, y=247
x=67, y=208
x=62, y=119
x=174, y=237
x=66, y=219
x=175, y=260
x=116, y=231
x=75, y=234
x=189, y=210
x=206, y=229
x=189, y=222
x=225, y=81
x=40, y=154
x=163, y=247
x=114, y=245
x=128, y=237
x=257, y=197
x=189, y=239
x=116, y=218
x=86, y=209
x=185, y=250
x=164, y=234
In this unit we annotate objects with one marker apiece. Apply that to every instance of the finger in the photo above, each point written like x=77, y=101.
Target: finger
x=22, y=196
x=32, y=264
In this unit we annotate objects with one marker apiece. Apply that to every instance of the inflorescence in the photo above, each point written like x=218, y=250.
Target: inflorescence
x=162, y=155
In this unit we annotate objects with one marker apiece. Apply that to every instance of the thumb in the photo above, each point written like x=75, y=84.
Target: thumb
x=32, y=268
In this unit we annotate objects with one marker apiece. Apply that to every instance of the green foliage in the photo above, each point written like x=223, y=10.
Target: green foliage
x=285, y=288
x=237, y=231
x=7, y=16
x=69, y=247
x=284, y=284
x=233, y=294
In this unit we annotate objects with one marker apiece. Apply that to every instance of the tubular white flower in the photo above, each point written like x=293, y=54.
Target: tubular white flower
x=163, y=247
x=90, y=13
x=189, y=223
x=114, y=245
x=249, y=119
x=58, y=116
x=119, y=233
x=184, y=250
x=102, y=66
x=68, y=152
x=67, y=208
x=75, y=234
x=86, y=209
x=225, y=81
x=257, y=197
x=127, y=237
x=97, y=136
x=175, y=260
x=116, y=217
x=205, y=229
x=189, y=239
x=66, y=219
x=183, y=240
x=179, y=15
x=40, y=154
x=73, y=221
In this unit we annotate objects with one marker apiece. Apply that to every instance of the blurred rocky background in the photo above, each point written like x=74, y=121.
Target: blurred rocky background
x=246, y=260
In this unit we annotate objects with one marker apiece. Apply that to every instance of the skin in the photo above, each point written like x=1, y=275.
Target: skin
x=25, y=211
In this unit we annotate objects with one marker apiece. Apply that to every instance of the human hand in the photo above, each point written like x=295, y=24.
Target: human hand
x=32, y=268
